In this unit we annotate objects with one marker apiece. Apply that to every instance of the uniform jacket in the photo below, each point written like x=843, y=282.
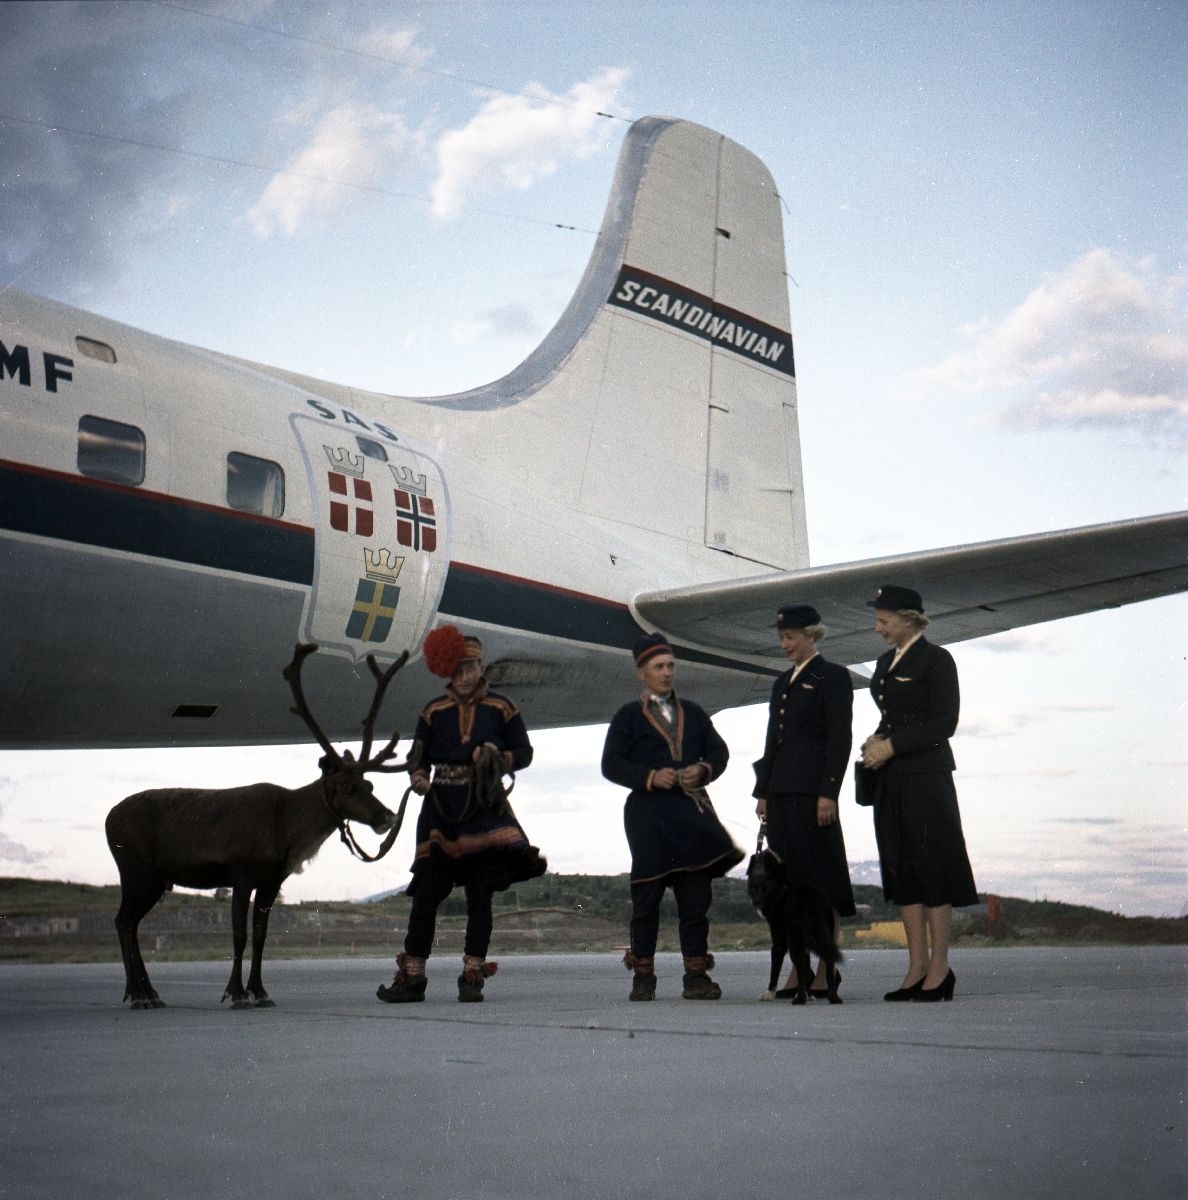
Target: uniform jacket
x=920, y=701
x=809, y=732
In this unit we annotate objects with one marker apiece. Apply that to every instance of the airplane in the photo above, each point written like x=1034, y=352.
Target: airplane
x=173, y=520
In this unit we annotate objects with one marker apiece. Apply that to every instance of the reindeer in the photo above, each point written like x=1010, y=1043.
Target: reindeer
x=246, y=838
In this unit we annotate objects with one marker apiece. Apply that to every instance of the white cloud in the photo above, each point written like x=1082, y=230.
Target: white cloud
x=509, y=321
x=1102, y=343
x=1029, y=640
x=394, y=45
x=353, y=145
x=513, y=141
x=1014, y=719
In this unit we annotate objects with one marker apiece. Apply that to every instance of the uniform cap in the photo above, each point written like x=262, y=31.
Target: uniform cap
x=892, y=596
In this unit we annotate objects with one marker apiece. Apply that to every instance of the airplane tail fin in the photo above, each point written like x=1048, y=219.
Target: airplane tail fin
x=664, y=399
x=666, y=393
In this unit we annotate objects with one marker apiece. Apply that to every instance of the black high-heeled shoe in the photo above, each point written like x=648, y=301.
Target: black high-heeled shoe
x=906, y=993
x=942, y=991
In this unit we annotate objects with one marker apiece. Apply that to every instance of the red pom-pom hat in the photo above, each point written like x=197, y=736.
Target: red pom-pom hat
x=446, y=648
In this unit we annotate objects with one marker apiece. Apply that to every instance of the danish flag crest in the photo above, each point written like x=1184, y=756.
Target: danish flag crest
x=347, y=497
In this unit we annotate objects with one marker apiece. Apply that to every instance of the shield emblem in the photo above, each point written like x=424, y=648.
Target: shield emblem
x=381, y=540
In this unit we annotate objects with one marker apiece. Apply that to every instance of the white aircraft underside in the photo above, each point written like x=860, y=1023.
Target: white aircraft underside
x=172, y=520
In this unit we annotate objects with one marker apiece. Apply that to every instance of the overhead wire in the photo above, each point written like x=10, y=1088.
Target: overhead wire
x=248, y=164
x=374, y=57
x=226, y=160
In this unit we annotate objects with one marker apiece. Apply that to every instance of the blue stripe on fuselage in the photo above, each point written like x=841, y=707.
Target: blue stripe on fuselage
x=89, y=512
x=472, y=593
x=114, y=517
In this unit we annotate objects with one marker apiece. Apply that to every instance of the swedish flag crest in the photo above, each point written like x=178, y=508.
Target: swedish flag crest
x=373, y=611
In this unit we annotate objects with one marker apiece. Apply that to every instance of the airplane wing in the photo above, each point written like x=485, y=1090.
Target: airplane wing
x=969, y=591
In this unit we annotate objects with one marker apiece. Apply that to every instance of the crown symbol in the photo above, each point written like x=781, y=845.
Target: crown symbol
x=409, y=480
x=382, y=565
x=343, y=460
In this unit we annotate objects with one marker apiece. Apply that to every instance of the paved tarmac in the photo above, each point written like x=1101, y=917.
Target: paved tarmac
x=1053, y=1073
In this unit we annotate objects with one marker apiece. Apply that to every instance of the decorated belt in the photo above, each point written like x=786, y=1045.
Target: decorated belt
x=451, y=773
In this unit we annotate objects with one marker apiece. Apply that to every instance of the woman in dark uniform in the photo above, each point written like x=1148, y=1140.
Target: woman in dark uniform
x=917, y=823
x=467, y=833
x=805, y=759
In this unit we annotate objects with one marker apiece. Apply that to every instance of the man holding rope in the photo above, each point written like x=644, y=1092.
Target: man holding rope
x=467, y=834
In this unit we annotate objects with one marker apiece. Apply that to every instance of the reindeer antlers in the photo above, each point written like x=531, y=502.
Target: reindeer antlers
x=292, y=673
x=382, y=679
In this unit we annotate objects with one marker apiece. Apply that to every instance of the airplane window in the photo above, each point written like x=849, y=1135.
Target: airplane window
x=110, y=450
x=371, y=449
x=93, y=349
x=255, y=485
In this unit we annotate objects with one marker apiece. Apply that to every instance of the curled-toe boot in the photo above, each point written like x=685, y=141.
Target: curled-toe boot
x=697, y=983
x=475, y=971
x=410, y=983
x=643, y=981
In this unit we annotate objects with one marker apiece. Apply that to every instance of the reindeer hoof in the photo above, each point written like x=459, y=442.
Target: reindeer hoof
x=147, y=1002
x=263, y=1002
x=768, y=995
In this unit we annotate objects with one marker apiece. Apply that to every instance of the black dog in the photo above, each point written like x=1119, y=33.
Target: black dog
x=800, y=920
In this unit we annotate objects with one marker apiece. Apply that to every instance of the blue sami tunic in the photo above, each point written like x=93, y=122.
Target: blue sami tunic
x=468, y=842
x=667, y=830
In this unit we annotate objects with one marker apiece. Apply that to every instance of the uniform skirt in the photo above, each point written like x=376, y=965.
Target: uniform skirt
x=921, y=845
x=812, y=854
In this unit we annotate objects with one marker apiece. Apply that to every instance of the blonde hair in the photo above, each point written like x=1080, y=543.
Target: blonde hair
x=816, y=632
x=917, y=620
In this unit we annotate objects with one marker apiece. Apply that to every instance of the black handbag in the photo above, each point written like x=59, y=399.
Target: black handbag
x=765, y=877
x=868, y=785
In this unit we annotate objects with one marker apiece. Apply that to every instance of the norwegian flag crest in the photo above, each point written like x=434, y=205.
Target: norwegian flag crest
x=416, y=521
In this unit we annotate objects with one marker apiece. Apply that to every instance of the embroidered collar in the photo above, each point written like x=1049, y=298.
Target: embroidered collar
x=466, y=708
x=675, y=736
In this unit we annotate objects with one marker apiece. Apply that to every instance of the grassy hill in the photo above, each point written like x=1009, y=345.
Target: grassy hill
x=71, y=922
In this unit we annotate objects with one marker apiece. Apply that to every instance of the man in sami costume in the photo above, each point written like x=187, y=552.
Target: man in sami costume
x=665, y=750
x=467, y=834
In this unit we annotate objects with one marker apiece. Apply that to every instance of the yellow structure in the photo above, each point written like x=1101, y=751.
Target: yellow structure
x=882, y=931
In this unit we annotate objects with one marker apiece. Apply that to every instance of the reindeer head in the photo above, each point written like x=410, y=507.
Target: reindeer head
x=350, y=796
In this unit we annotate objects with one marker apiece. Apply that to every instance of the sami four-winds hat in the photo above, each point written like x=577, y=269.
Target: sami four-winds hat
x=650, y=646
x=892, y=596
x=447, y=647
x=797, y=616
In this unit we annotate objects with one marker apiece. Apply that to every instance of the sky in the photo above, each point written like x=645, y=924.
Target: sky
x=985, y=215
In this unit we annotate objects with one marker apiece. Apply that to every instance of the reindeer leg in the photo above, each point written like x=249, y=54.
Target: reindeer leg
x=266, y=895
x=137, y=897
x=240, y=895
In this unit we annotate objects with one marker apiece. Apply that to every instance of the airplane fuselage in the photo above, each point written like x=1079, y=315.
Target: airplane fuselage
x=175, y=521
